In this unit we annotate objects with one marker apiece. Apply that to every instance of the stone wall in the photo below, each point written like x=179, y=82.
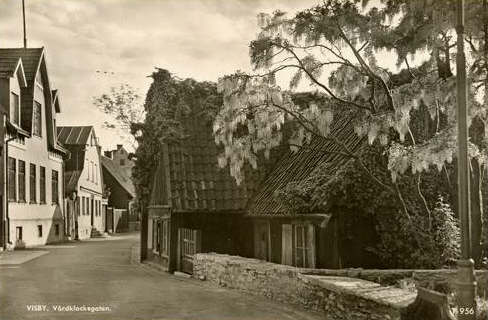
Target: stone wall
x=338, y=297
x=443, y=280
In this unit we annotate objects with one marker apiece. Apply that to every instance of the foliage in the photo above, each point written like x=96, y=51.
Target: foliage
x=123, y=105
x=410, y=112
x=417, y=240
x=169, y=101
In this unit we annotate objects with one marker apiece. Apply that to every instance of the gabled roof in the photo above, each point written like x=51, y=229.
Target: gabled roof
x=159, y=193
x=9, y=66
x=320, y=154
x=119, y=175
x=77, y=135
x=189, y=179
x=31, y=59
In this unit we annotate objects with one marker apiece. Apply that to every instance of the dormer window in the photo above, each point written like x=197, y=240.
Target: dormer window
x=37, y=119
x=14, y=108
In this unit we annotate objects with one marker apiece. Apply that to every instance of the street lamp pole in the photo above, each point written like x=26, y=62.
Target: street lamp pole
x=466, y=293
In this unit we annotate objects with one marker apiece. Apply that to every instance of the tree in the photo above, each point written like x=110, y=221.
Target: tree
x=123, y=105
x=168, y=102
x=411, y=111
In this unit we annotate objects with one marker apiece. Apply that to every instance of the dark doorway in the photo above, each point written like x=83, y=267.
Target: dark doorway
x=91, y=212
x=261, y=240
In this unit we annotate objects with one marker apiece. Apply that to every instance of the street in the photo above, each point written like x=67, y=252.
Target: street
x=99, y=273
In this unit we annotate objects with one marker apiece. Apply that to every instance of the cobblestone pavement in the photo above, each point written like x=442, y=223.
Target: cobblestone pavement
x=96, y=280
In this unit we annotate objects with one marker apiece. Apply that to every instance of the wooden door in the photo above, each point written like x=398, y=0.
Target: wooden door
x=262, y=240
x=189, y=244
x=287, y=244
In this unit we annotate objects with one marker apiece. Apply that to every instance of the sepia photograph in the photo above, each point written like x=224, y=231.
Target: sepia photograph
x=244, y=159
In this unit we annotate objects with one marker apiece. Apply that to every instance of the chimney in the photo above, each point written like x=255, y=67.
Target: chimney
x=119, y=146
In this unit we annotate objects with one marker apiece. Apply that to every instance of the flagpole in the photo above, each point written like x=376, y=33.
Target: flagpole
x=23, y=19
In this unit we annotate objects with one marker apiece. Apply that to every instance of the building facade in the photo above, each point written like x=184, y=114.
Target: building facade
x=121, y=158
x=85, y=216
x=195, y=206
x=33, y=157
x=121, y=195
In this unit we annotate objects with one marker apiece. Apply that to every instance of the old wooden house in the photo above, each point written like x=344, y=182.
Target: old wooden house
x=195, y=206
x=120, y=193
x=316, y=237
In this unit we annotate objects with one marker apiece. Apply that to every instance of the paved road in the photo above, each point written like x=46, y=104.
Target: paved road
x=99, y=273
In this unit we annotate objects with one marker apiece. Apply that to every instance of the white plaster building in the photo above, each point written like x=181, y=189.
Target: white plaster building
x=33, y=159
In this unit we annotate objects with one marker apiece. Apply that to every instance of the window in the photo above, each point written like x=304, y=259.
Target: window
x=42, y=185
x=12, y=172
x=14, y=108
x=83, y=205
x=95, y=173
x=56, y=229
x=87, y=171
x=21, y=177
x=37, y=119
x=122, y=162
x=55, y=187
x=298, y=245
x=32, y=183
x=157, y=246
x=304, y=239
x=39, y=231
x=164, y=236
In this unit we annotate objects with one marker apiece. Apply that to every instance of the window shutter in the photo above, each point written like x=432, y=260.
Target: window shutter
x=311, y=245
x=287, y=244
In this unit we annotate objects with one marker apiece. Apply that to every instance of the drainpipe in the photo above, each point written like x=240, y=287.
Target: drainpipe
x=7, y=217
x=65, y=203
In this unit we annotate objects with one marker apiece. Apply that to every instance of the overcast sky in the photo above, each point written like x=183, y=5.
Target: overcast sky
x=202, y=39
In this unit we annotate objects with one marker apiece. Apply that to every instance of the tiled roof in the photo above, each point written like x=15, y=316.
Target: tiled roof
x=119, y=175
x=159, y=192
x=196, y=182
x=320, y=154
x=74, y=135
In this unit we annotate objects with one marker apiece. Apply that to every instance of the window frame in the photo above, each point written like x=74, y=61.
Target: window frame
x=32, y=183
x=12, y=179
x=164, y=237
x=54, y=187
x=42, y=185
x=39, y=230
x=37, y=119
x=15, y=110
x=21, y=197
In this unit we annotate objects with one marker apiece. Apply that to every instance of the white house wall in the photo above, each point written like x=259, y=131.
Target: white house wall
x=31, y=215
x=90, y=186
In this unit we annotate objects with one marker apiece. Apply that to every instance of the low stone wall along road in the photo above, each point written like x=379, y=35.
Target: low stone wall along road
x=96, y=280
